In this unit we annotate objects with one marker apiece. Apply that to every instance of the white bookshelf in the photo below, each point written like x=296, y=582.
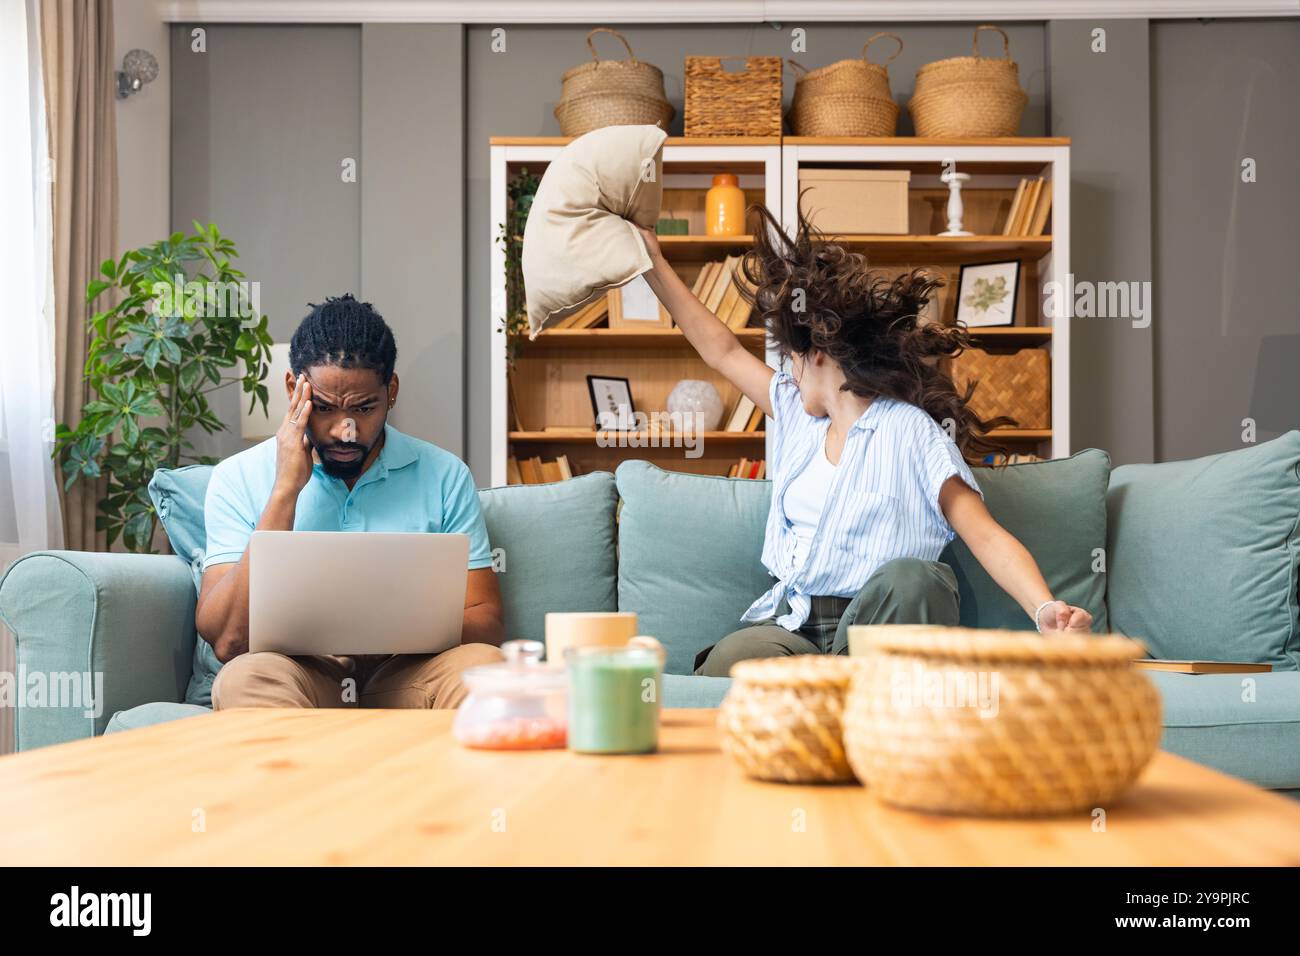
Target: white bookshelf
x=994, y=165
x=769, y=170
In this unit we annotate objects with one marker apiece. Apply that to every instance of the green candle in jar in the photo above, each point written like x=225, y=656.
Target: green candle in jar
x=614, y=700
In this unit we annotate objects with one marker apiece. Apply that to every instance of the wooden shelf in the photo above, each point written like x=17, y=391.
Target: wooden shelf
x=702, y=247
x=623, y=338
x=664, y=438
x=949, y=247
x=1021, y=434
x=924, y=141
x=805, y=141
x=671, y=141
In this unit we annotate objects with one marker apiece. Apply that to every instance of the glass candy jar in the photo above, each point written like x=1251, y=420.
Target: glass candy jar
x=519, y=704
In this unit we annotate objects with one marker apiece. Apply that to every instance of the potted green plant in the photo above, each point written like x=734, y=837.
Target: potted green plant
x=520, y=191
x=184, y=317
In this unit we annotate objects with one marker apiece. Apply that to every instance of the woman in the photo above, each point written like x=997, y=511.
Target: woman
x=869, y=441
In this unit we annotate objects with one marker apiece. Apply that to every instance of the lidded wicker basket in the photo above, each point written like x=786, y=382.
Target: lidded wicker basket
x=722, y=102
x=781, y=719
x=612, y=93
x=998, y=723
x=847, y=98
x=974, y=96
x=1015, y=383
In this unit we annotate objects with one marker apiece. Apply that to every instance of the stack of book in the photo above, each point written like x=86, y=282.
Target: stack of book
x=1013, y=459
x=745, y=417
x=534, y=471
x=748, y=468
x=587, y=317
x=719, y=286
x=1029, y=208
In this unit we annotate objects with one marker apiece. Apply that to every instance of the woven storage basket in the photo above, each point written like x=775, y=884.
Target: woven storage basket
x=781, y=719
x=1070, y=725
x=1016, y=384
x=612, y=93
x=847, y=98
x=969, y=95
x=722, y=102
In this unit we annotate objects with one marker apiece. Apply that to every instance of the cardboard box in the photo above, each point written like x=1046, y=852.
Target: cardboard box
x=855, y=201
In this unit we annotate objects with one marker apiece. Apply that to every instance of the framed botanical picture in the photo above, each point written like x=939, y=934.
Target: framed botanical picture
x=986, y=294
x=635, y=306
x=611, y=402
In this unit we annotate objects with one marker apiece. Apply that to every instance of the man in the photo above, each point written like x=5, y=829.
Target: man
x=335, y=464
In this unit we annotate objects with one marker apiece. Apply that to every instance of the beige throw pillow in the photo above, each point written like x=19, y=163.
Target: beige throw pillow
x=578, y=243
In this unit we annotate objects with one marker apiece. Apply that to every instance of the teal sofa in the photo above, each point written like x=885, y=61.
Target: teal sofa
x=1200, y=559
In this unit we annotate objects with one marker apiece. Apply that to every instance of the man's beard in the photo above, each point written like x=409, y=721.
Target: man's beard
x=343, y=470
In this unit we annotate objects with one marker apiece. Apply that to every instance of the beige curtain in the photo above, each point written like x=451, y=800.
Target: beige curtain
x=77, y=48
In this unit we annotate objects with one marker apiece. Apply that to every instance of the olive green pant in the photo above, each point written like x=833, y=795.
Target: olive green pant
x=902, y=591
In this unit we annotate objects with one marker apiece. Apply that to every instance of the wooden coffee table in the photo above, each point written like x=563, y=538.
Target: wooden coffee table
x=393, y=787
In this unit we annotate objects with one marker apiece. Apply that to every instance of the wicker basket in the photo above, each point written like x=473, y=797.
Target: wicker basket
x=974, y=96
x=844, y=114
x=722, y=102
x=1016, y=384
x=781, y=718
x=612, y=93
x=999, y=723
x=847, y=98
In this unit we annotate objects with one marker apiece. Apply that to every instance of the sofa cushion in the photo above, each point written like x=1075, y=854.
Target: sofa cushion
x=683, y=690
x=146, y=715
x=177, y=495
x=1247, y=725
x=1057, y=509
x=1205, y=554
x=689, y=550
x=578, y=241
x=690, y=546
x=553, y=547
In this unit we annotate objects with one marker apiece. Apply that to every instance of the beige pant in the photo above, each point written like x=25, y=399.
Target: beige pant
x=426, y=681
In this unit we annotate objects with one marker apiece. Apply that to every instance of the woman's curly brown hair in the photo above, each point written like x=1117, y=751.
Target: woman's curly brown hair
x=814, y=294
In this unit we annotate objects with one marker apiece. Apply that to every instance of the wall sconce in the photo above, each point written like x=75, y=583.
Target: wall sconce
x=138, y=68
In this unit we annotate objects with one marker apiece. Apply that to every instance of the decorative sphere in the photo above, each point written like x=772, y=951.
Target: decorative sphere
x=691, y=395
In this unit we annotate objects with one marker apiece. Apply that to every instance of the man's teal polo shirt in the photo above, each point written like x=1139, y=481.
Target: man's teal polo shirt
x=412, y=485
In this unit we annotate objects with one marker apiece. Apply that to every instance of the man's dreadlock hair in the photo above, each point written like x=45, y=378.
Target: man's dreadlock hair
x=816, y=295
x=345, y=333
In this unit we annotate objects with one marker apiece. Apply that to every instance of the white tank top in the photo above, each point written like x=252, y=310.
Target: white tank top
x=804, y=498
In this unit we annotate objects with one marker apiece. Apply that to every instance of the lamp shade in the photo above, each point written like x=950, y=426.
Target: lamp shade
x=258, y=425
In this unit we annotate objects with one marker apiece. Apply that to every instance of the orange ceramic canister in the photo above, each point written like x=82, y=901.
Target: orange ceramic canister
x=724, y=207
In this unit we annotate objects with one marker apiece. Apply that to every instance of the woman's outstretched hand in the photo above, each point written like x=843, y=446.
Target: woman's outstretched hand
x=1060, y=617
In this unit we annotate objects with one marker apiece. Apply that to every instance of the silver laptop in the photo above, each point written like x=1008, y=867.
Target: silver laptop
x=356, y=592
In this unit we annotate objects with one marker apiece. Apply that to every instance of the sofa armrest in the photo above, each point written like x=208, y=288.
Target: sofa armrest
x=126, y=620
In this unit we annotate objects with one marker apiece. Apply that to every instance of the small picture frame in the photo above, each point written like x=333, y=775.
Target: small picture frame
x=635, y=306
x=611, y=402
x=987, y=293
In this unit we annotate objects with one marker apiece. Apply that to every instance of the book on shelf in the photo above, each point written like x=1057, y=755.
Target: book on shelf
x=748, y=468
x=721, y=284
x=1016, y=458
x=534, y=471
x=740, y=414
x=755, y=419
x=1029, y=208
x=588, y=316
x=1203, y=667
x=1039, y=223
x=1015, y=207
